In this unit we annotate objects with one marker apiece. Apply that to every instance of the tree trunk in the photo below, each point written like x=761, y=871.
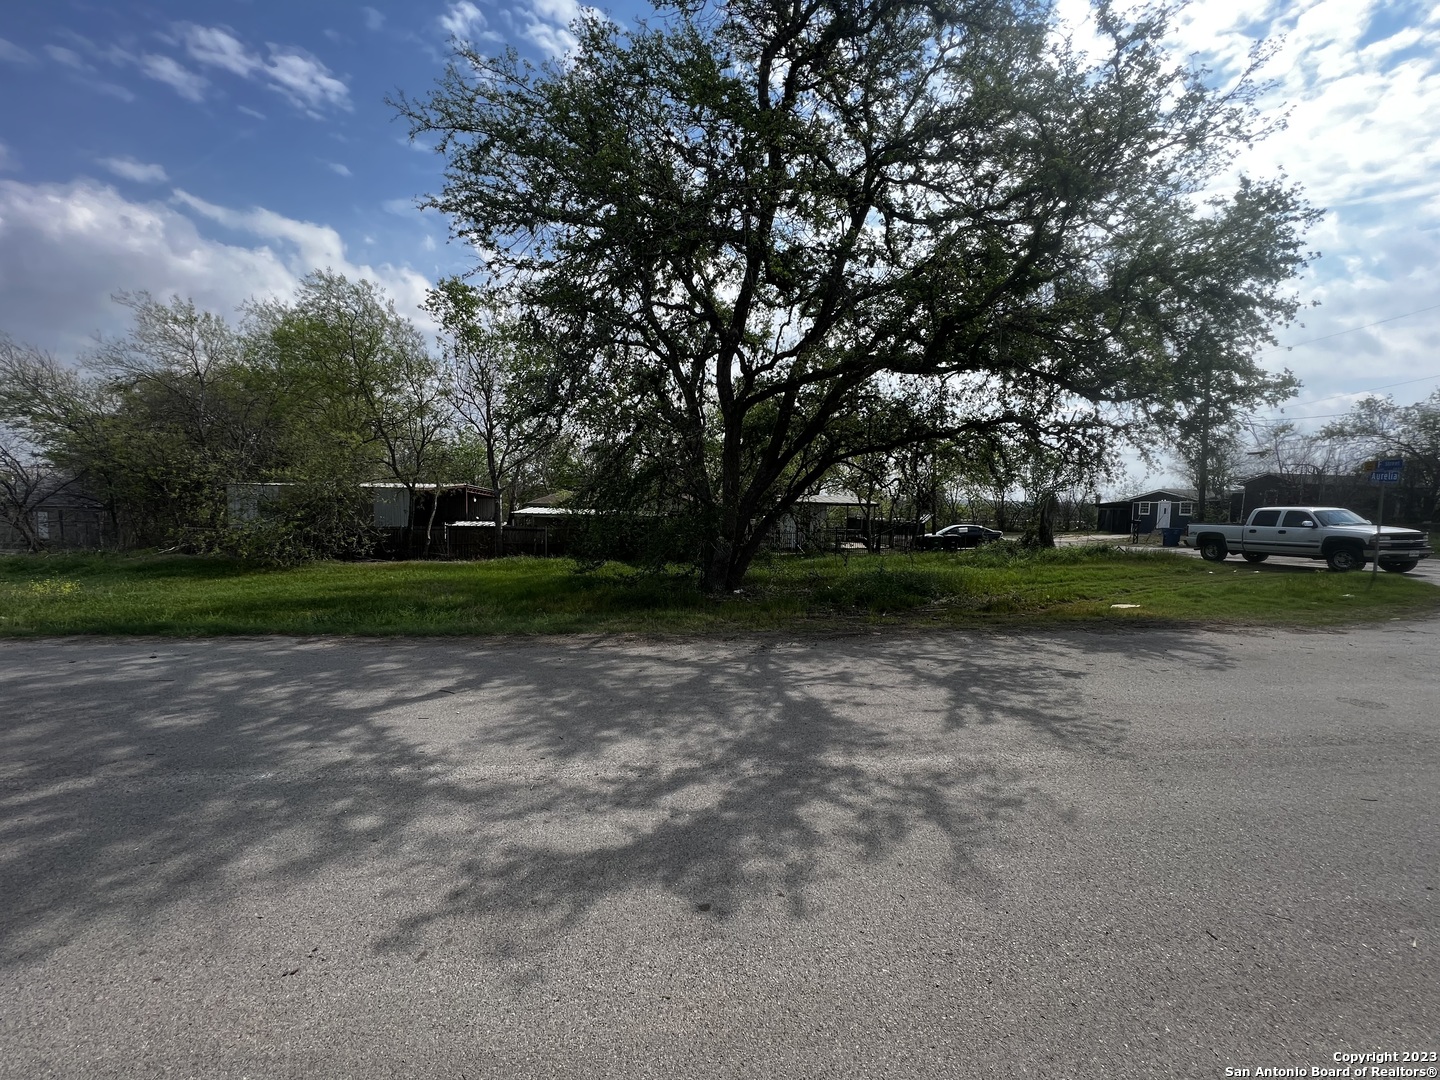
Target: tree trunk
x=500, y=519
x=1041, y=531
x=726, y=566
x=1202, y=470
x=430, y=522
x=717, y=574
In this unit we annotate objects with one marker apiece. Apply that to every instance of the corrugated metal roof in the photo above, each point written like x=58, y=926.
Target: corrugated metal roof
x=473, y=488
x=836, y=499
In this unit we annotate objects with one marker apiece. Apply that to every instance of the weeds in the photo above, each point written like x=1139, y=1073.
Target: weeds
x=191, y=595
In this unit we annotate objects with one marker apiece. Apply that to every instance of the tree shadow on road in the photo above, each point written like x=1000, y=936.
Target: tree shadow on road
x=525, y=785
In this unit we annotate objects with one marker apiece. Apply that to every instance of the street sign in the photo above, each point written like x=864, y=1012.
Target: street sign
x=1387, y=471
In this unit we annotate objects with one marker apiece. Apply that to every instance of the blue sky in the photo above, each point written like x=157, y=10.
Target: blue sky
x=220, y=149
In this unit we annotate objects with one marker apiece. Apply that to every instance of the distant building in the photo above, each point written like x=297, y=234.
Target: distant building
x=1121, y=515
x=815, y=520
x=1406, y=502
x=68, y=519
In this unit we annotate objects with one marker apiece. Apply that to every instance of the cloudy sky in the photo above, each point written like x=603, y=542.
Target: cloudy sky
x=220, y=149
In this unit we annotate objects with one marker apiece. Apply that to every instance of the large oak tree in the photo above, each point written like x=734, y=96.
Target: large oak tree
x=779, y=234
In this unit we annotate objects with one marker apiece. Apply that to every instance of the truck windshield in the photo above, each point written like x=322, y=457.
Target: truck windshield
x=1340, y=517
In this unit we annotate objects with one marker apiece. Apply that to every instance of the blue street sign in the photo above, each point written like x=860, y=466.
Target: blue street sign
x=1388, y=471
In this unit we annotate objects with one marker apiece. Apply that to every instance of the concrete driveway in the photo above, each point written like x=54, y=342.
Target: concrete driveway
x=963, y=855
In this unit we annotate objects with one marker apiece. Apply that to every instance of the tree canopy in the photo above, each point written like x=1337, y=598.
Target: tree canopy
x=772, y=236
x=1378, y=427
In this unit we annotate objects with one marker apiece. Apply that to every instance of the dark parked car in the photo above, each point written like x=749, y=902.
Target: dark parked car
x=954, y=537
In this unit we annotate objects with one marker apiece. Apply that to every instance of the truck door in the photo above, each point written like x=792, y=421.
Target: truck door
x=1298, y=534
x=1262, y=533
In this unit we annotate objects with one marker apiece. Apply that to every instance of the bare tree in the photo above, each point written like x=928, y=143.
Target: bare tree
x=26, y=481
x=49, y=424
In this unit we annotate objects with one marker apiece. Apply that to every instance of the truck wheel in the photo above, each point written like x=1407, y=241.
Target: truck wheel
x=1342, y=559
x=1400, y=567
x=1255, y=556
x=1213, y=550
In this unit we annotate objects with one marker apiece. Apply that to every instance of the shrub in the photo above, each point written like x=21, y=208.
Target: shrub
x=306, y=522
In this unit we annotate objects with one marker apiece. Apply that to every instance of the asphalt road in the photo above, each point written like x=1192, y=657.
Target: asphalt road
x=1046, y=855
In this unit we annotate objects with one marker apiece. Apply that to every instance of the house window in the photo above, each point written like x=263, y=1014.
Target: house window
x=1144, y=509
x=1187, y=509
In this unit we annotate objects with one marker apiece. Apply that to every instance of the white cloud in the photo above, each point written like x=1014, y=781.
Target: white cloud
x=256, y=113
x=289, y=70
x=316, y=245
x=1360, y=82
x=65, y=248
x=14, y=54
x=130, y=169
x=68, y=57
x=77, y=64
x=561, y=12
x=112, y=54
x=336, y=167
x=217, y=47
x=462, y=20
x=547, y=24
x=551, y=39
x=181, y=79
x=1363, y=138
x=374, y=20
x=114, y=91
x=305, y=80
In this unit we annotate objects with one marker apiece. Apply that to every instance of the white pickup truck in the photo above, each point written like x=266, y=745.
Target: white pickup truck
x=1344, y=539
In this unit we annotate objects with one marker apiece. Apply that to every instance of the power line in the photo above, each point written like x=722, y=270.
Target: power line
x=1316, y=416
x=1371, y=390
x=1353, y=329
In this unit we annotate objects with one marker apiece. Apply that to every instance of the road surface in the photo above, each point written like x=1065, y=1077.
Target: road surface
x=1077, y=854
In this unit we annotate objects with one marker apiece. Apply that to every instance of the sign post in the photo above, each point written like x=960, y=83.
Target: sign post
x=1382, y=472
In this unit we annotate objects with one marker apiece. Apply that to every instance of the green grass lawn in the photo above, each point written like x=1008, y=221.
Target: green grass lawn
x=179, y=595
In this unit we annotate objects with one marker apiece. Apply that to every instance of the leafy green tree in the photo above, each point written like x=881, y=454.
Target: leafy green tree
x=1218, y=383
x=365, y=397
x=503, y=399
x=1214, y=460
x=181, y=419
x=780, y=235
x=153, y=422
